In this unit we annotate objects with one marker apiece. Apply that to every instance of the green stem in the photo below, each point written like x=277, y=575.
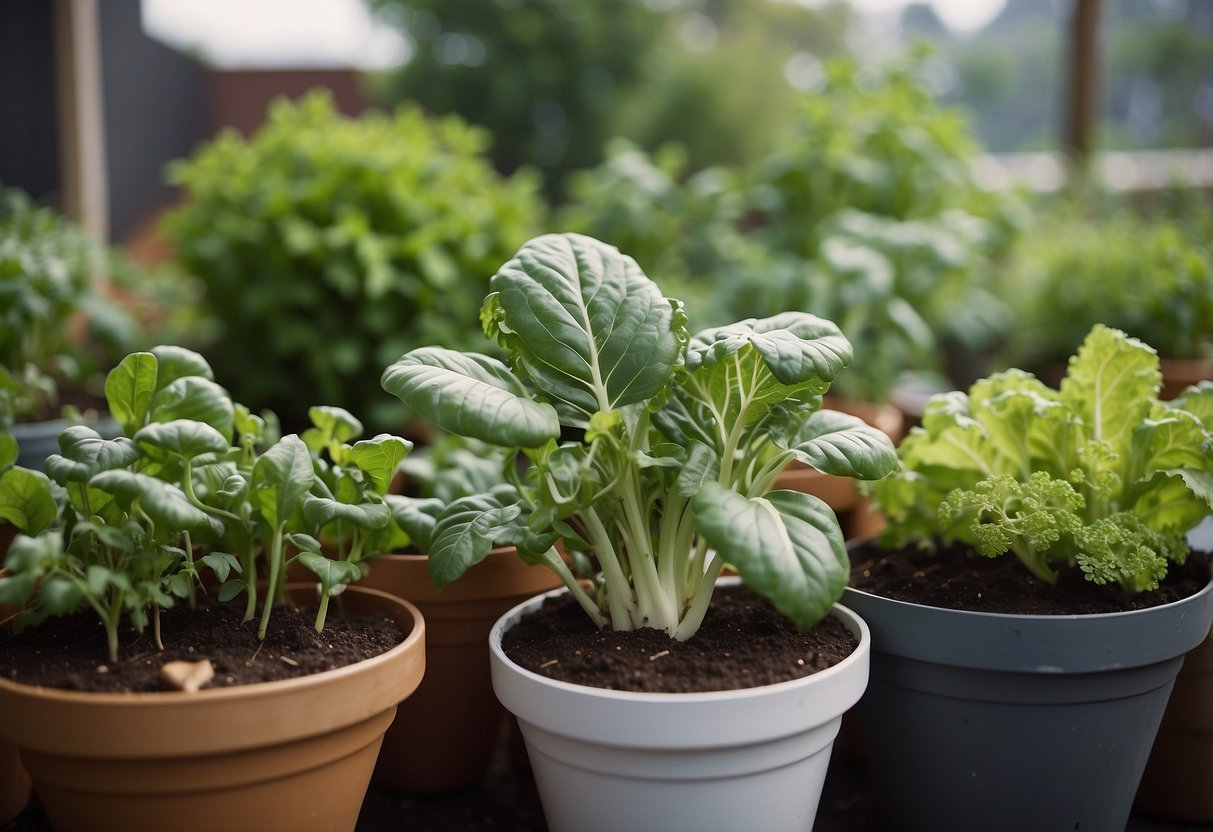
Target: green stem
x=187, y=484
x=250, y=579
x=700, y=600
x=189, y=558
x=619, y=596
x=272, y=588
x=324, y=608
x=644, y=563
x=552, y=560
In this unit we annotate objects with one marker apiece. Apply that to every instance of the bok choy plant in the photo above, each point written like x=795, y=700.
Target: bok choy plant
x=646, y=446
x=1099, y=475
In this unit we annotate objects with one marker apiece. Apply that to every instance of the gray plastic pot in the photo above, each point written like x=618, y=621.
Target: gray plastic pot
x=1017, y=722
x=38, y=440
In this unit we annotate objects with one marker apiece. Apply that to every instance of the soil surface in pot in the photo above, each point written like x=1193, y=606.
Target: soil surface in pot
x=743, y=643
x=70, y=652
x=956, y=578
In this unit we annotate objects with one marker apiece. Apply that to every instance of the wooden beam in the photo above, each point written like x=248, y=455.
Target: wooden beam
x=1082, y=105
x=81, y=115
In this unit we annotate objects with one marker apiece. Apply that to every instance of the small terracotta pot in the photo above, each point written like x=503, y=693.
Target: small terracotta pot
x=444, y=736
x=859, y=518
x=293, y=754
x=1180, y=373
x=14, y=782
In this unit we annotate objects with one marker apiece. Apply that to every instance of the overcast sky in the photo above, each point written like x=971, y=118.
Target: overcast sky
x=296, y=33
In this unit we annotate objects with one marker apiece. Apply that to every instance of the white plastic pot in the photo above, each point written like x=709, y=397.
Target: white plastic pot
x=609, y=760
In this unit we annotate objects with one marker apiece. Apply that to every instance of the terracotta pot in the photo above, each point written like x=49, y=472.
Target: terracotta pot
x=444, y=736
x=856, y=514
x=14, y=782
x=1180, y=373
x=294, y=754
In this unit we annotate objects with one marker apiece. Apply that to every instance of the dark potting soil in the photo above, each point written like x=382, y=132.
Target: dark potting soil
x=70, y=652
x=955, y=577
x=743, y=643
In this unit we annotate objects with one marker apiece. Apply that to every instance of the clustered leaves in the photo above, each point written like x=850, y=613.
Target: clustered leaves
x=328, y=246
x=196, y=482
x=1099, y=475
x=650, y=451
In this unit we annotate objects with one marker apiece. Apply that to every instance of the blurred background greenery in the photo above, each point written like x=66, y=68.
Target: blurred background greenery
x=752, y=155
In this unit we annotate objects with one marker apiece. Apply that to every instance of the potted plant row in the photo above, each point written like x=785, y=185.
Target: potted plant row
x=1032, y=598
x=645, y=462
x=198, y=487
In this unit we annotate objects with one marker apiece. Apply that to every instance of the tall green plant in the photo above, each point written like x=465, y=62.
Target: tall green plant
x=680, y=439
x=329, y=245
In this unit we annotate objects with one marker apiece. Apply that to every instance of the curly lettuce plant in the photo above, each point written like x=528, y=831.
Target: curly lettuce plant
x=196, y=481
x=646, y=445
x=1099, y=475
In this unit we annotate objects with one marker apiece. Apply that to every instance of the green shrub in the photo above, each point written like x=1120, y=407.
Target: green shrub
x=60, y=325
x=872, y=193
x=1149, y=276
x=329, y=246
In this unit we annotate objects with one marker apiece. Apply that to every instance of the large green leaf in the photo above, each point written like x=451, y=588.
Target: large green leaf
x=282, y=477
x=196, y=398
x=841, y=444
x=1197, y=400
x=379, y=457
x=178, y=362
x=464, y=534
x=182, y=437
x=795, y=346
x=417, y=516
x=26, y=500
x=470, y=395
x=320, y=511
x=166, y=504
x=585, y=324
x=84, y=453
x=786, y=545
x=129, y=388
x=1110, y=383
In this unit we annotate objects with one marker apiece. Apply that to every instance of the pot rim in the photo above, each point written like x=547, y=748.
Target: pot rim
x=253, y=690
x=854, y=623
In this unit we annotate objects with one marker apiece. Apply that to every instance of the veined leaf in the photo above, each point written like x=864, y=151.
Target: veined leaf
x=796, y=347
x=417, y=516
x=585, y=324
x=282, y=477
x=320, y=511
x=164, y=503
x=332, y=425
x=1197, y=400
x=182, y=437
x=464, y=534
x=379, y=457
x=26, y=500
x=786, y=545
x=196, y=398
x=702, y=466
x=470, y=395
x=83, y=453
x=841, y=444
x=1110, y=383
x=175, y=362
x=129, y=388
x=330, y=573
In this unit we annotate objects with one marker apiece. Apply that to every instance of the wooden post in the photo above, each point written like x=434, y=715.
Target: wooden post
x=1082, y=105
x=81, y=115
